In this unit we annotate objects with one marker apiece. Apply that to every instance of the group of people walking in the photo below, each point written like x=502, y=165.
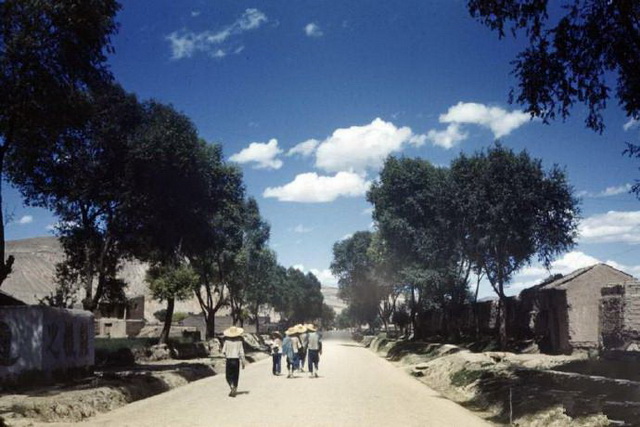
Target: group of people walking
x=301, y=343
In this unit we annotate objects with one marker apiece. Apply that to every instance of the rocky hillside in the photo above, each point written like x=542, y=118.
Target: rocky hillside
x=34, y=271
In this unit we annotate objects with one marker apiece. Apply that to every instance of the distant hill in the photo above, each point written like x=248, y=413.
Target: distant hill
x=34, y=270
x=331, y=299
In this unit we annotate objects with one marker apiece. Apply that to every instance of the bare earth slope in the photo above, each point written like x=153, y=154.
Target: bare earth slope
x=355, y=388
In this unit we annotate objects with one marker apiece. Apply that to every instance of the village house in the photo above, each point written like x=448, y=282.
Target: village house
x=563, y=314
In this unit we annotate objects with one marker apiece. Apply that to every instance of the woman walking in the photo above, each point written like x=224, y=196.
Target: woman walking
x=234, y=353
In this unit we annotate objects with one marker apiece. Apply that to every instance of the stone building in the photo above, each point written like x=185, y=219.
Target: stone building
x=564, y=313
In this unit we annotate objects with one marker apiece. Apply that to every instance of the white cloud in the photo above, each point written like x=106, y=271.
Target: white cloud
x=447, y=138
x=50, y=227
x=311, y=188
x=630, y=124
x=305, y=149
x=302, y=229
x=185, y=43
x=313, y=30
x=359, y=148
x=367, y=211
x=195, y=13
x=569, y=262
x=611, y=227
x=501, y=122
x=607, y=192
x=346, y=236
x=264, y=155
x=325, y=277
x=26, y=219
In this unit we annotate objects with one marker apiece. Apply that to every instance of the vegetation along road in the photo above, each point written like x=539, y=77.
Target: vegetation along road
x=355, y=387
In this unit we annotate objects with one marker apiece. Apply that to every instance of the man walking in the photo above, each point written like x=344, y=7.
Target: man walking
x=315, y=350
x=233, y=351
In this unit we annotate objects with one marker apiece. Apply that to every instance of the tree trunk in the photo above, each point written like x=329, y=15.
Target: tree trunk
x=5, y=266
x=476, y=310
x=414, y=323
x=502, y=322
x=164, y=336
x=210, y=320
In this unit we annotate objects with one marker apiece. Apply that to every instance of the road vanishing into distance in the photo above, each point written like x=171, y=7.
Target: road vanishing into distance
x=355, y=388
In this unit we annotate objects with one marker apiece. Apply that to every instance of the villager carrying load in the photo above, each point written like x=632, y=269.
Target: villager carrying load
x=234, y=353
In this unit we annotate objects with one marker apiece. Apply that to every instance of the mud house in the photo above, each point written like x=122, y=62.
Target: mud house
x=563, y=314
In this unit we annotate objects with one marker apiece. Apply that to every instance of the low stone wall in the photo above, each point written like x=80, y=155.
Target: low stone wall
x=40, y=344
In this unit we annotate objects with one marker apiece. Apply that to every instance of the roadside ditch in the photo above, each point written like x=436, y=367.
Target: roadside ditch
x=520, y=389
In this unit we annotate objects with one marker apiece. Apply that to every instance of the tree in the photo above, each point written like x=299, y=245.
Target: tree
x=353, y=265
x=423, y=235
x=261, y=285
x=328, y=317
x=215, y=257
x=251, y=262
x=515, y=210
x=298, y=296
x=169, y=199
x=50, y=53
x=170, y=283
x=83, y=180
x=576, y=47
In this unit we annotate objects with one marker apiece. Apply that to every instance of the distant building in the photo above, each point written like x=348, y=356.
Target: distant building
x=564, y=313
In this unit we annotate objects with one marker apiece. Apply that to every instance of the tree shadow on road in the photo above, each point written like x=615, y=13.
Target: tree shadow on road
x=351, y=345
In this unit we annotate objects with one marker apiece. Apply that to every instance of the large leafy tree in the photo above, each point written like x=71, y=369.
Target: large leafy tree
x=262, y=283
x=579, y=51
x=425, y=239
x=251, y=262
x=215, y=258
x=169, y=197
x=298, y=296
x=576, y=48
x=354, y=266
x=515, y=211
x=83, y=179
x=51, y=52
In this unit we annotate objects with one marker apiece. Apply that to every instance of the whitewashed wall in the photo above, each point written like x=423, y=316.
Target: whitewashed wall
x=44, y=341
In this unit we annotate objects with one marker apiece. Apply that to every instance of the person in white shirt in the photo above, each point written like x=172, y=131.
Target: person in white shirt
x=276, y=347
x=233, y=351
x=315, y=350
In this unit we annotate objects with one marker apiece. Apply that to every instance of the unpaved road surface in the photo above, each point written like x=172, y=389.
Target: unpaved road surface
x=355, y=388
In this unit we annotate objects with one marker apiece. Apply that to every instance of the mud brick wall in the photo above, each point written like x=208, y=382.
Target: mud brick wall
x=619, y=317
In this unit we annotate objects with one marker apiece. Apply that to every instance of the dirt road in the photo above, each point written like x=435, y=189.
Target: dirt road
x=355, y=388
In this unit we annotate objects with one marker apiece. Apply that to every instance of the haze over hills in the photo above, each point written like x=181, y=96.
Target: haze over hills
x=33, y=276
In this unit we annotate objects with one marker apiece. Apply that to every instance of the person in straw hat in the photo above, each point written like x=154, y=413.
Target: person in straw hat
x=315, y=350
x=233, y=351
x=290, y=347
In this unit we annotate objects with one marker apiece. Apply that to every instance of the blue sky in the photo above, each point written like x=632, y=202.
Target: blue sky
x=310, y=96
